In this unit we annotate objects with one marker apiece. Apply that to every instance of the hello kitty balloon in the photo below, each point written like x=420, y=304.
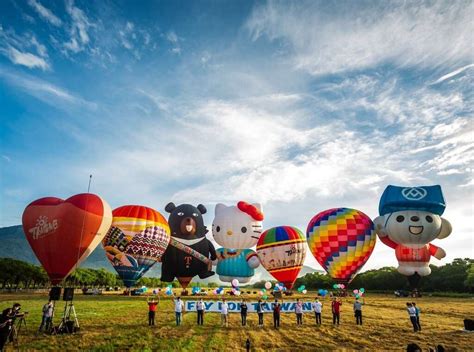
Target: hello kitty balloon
x=237, y=229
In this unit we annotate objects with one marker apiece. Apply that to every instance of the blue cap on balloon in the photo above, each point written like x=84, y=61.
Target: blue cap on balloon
x=424, y=198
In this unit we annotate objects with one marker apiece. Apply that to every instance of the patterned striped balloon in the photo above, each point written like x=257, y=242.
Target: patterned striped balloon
x=281, y=251
x=136, y=241
x=341, y=240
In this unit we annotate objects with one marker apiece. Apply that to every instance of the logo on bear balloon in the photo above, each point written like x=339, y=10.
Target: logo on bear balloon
x=43, y=227
x=414, y=193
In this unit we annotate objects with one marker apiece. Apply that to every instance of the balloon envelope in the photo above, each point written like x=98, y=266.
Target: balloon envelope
x=136, y=241
x=62, y=233
x=281, y=251
x=341, y=240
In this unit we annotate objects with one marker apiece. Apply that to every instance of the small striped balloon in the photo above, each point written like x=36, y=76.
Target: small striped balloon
x=341, y=240
x=282, y=251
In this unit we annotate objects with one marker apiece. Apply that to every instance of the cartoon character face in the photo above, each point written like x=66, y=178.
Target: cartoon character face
x=412, y=227
x=235, y=228
x=186, y=220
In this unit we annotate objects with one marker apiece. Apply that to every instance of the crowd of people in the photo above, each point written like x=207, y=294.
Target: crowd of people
x=276, y=308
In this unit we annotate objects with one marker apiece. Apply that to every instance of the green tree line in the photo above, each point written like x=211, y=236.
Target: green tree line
x=457, y=276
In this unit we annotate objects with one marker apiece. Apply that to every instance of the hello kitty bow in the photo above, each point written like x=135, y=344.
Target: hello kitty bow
x=251, y=210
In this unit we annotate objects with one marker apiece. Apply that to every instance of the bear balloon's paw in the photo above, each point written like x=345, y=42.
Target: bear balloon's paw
x=206, y=274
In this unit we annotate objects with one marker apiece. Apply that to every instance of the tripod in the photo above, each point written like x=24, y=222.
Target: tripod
x=67, y=324
x=15, y=330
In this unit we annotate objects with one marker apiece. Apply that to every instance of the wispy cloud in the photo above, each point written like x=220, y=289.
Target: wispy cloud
x=452, y=74
x=333, y=38
x=79, y=27
x=174, y=39
x=17, y=48
x=45, y=13
x=42, y=90
x=6, y=158
x=25, y=59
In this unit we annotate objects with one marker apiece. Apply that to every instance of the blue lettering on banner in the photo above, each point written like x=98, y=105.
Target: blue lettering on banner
x=234, y=307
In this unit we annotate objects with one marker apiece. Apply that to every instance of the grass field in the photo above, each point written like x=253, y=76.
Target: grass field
x=120, y=323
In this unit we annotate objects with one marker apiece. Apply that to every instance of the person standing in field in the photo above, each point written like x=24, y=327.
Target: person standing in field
x=412, y=314
x=243, y=312
x=317, y=307
x=358, y=311
x=46, y=320
x=417, y=310
x=200, y=312
x=336, y=309
x=276, y=314
x=299, y=312
x=260, y=310
x=224, y=313
x=178, y=309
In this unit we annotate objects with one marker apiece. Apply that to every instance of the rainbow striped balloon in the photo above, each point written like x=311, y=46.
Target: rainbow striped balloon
x=281, y=251
x=341, y=240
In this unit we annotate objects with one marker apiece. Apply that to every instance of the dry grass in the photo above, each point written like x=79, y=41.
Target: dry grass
x=119, y=323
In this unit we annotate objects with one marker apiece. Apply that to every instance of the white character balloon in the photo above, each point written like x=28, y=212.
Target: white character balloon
x=237, y=229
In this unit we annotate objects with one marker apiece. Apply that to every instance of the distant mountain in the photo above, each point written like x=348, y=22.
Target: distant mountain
x=14, y=245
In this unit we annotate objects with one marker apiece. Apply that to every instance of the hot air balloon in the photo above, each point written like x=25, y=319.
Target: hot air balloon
x=410, y=219
x=136, y=241
x=62, y=233
x=237, y=229
x=281, y=251
x=341, y=240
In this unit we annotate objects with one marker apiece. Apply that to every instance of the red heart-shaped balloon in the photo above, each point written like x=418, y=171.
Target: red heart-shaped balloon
x=62, y=233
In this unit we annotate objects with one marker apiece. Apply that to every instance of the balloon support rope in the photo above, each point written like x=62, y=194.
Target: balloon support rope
x=83, y=223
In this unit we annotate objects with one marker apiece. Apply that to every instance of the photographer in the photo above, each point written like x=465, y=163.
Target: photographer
x=6, y=323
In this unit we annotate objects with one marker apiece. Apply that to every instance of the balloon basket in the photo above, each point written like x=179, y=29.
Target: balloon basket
x=414, y=282
x=184, y=293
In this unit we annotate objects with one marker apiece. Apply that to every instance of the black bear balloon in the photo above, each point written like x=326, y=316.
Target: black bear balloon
x=189, y=253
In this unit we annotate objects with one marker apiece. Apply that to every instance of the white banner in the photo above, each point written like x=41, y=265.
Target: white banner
x=234, y=307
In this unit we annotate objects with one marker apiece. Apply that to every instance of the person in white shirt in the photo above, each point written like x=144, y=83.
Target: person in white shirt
x=46, y=321
x=412, y=314
x=224, y=313
x=200, y=312
x=317, y=307
x=299, y=312
x=178, y=309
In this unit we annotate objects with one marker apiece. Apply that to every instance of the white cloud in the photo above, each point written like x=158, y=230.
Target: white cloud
x=172, y=37
x=452, y=74
x=338, y=38
x=6, y=158
x=80, y=25
x=17, y=49
x=45, y=13
x=45, y=91
x=26, y=59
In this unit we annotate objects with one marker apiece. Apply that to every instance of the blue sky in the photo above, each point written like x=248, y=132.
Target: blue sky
x=302, y=106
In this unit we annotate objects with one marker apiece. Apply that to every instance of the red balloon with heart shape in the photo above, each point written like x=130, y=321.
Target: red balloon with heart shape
x=62, y=233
